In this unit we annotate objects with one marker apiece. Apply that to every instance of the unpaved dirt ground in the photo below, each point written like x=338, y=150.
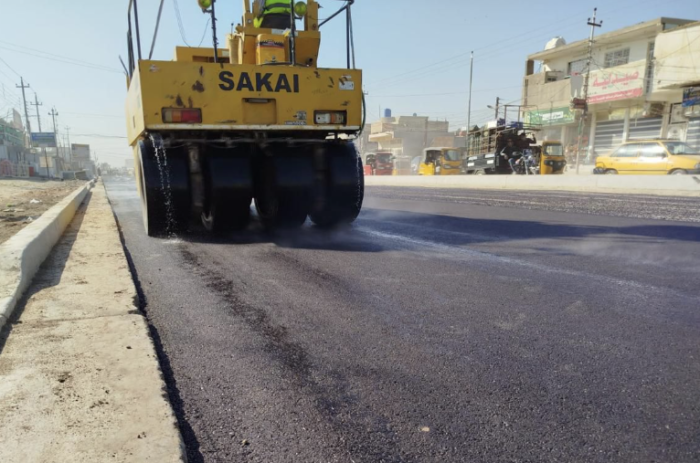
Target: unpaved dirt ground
x=16, y=208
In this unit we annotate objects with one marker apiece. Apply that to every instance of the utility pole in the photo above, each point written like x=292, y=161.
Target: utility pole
x=26, y=111
x=584, y=115
x=498, y=101
x=70, y=149
x=38, y=117
x=53, y=115
x=469, y=109
x=24, y=100
x=37, y=104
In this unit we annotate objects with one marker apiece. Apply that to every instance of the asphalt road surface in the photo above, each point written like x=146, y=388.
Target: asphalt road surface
x=443, y=326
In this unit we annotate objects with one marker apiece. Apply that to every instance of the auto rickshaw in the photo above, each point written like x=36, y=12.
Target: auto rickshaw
x=441, y=161
x=370, y=163
x=384, y=163
x=552, y=160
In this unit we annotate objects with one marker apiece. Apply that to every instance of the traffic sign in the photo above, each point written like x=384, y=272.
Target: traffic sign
x=43, y=139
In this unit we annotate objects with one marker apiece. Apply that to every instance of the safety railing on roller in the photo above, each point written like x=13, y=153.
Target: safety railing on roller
x=133, y=35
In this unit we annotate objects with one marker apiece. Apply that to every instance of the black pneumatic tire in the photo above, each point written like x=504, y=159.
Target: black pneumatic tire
x=165, y=210
x=283, y=188
x=343, y=189
x=229, y=190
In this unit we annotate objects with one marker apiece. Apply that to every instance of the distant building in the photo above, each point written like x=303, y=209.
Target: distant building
x=637, y=80
x=81, y=158
x=406, y=136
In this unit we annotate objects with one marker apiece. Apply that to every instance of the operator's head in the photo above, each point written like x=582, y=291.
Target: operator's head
x=522, y=134
x=510, y=141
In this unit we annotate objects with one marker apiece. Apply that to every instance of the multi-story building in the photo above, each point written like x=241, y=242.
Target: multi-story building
x=637, y=79
x=407, y=136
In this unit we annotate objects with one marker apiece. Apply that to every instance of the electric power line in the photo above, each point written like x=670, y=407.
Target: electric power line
x=179, y=22
x=204, y=34
x=96, y=135
x=97, y=67
x=10, y=67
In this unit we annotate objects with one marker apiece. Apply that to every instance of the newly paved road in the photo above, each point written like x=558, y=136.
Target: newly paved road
x=443, y=326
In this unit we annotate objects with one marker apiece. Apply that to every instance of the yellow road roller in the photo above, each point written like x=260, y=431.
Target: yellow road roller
x=252, y=120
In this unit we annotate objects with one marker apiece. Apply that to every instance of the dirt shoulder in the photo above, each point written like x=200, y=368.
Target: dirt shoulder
x=23, y=200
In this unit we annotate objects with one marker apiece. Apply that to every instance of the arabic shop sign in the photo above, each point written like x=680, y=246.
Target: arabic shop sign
x=691, y=96
x=553, y=116
x=618, y=83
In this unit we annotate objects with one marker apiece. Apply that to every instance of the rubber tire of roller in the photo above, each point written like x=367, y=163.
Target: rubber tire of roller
x=284, y=185
x=344, y=189
x=230, y=208
x=153, y=198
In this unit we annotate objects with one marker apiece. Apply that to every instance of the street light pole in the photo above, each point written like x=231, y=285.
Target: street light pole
x=469, y=109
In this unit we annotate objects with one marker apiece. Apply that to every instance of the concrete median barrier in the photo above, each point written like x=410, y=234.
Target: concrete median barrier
x=22, y=255
x=662, y=185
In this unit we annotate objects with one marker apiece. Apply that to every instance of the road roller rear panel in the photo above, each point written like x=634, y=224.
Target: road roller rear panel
x=190, y=96
x=218, y=133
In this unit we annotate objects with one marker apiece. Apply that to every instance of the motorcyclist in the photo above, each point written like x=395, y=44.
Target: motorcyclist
x=525, y=143
x=510, y=154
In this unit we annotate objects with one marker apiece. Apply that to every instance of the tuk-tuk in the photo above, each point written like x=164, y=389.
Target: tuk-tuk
x=441, y=161
x=384, y=163
x=370, y=163
x=552, y=160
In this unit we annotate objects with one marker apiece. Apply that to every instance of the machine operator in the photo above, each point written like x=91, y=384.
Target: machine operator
x=273, y=14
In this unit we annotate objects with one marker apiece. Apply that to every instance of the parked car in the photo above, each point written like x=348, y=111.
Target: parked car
x=648, y=157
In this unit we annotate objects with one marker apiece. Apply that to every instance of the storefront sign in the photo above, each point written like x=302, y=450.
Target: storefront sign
x=554, y=116
x=691, y=96
x=618, y=83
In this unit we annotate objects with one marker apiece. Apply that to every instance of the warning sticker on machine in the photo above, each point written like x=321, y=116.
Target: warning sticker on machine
x=346, y=83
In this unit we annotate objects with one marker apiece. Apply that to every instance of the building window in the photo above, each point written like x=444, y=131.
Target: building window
x=576, y=67
x=617, y=58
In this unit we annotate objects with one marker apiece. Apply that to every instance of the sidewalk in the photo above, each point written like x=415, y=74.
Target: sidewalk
x=79, y=378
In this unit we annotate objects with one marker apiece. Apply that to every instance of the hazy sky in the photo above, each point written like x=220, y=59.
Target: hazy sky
x=415, y=54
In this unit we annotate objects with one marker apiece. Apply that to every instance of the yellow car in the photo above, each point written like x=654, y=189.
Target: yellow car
x=649, y=157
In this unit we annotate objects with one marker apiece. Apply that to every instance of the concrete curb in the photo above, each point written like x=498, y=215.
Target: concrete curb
x=22, y=255
x=661, y=185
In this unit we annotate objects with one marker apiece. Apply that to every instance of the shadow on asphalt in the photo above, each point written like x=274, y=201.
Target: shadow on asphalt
x=472, y=231
x=50, y=271
x=440, y=229
x=343, y=239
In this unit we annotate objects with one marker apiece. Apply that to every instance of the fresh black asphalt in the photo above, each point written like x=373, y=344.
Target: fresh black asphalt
x=443, y=326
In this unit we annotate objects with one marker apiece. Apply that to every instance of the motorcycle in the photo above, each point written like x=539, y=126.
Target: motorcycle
x=526, y=164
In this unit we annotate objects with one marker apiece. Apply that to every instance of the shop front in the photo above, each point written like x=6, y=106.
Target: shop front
x=691, y=110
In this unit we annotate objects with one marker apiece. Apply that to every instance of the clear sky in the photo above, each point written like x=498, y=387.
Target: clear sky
x=415, y=54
